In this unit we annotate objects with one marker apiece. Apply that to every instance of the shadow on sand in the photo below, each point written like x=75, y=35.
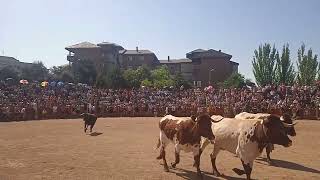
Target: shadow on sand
x=95, y=134
x=290, y=165
x=190, y=175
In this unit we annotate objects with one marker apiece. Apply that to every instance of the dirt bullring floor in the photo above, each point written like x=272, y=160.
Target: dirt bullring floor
x=123, y=148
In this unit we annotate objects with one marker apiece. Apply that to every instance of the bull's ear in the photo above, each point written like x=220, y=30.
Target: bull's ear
x=266, y=120
x=286, y=118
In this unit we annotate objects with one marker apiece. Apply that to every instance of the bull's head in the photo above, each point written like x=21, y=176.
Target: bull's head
x=289, y=124
x=84, y=116
x=275, y=131
x=203, y=123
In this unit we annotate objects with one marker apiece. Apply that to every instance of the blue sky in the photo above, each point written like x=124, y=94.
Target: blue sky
x=40, y=30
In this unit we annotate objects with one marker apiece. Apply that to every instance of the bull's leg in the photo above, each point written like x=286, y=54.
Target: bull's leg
x=247, y=169
x=163, y=155
x=268, y=151
x=213, y=157
x=204, y=143
x=196, y=155
x=85, y=127
x=91, y=127
x=177, y=156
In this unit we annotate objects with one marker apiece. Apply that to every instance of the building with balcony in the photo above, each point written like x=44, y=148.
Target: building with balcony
x=200, y=67
x=203, y=67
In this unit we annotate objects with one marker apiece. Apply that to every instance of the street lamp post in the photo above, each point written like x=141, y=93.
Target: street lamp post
x=210, y=75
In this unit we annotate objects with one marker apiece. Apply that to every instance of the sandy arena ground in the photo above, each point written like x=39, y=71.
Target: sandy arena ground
x=123, y=148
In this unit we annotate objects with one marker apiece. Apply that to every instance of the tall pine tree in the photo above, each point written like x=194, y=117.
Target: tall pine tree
x=263, y=63
x=284, y=68
x=307, y=66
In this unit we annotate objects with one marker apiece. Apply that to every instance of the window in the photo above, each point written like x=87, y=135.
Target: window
x=141, y=58
x=130, y=58
x=199, y=83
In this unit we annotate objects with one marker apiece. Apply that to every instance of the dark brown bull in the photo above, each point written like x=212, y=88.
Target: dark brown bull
x=289, y=130
x=89, y=120
x=185, y=134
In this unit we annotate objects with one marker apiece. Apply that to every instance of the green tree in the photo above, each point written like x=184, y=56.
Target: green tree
x=264, y=64
x=35, y=71
x=62, y=73
x=84, y=72
x=9, y=72
x=180, y=81
x=131, y=76
x=235, y=80
x=135, y=77
x=284, y=67
x=112, y=79
x=146, y=83
x=307, y=66
x=161, y=77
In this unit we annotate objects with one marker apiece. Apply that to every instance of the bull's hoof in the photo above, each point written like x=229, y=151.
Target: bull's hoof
x=199, y=174
x=216, y=173
x=159, y=157
x=239, y=171
x=173, y=165
x=166, y=169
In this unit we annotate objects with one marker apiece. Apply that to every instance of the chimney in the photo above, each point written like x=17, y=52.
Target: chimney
x=137, y=49
x=219, y=50
x=168, y=58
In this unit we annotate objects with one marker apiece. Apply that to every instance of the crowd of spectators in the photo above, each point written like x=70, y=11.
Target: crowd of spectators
x=32, y=101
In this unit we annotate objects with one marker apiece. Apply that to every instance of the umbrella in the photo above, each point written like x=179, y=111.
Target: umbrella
x=60, y=83
x=53, y=83
x=44, y=83
x=209, y=88
x=23, y=81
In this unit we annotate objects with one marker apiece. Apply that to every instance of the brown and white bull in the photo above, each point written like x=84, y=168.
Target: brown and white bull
x=246, y=139
x=287, y=122
x=185, y=133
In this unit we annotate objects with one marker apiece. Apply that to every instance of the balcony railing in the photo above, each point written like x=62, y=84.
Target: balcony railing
x=71, y=57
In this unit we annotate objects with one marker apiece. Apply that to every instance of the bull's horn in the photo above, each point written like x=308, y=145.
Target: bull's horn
x=294, y=123
x=288, y=125
x=193, y=118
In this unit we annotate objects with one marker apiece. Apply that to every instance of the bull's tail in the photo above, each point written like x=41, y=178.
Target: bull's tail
x=217, y=120
x=161, y=151
x=158, y=144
